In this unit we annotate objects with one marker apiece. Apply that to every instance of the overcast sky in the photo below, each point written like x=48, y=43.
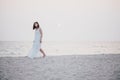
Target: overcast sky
x=60, y=20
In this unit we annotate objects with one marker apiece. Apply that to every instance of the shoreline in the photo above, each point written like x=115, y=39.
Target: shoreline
x=65, y=55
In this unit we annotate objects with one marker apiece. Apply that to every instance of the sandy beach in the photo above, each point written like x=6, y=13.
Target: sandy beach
x=66, y=67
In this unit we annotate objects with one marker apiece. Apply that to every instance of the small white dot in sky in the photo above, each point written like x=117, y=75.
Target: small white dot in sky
x=58, y=25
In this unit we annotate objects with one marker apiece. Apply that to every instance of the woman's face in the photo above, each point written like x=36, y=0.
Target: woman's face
x=36, y=25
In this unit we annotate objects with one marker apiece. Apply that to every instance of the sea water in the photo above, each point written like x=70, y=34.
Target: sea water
x=53, y=48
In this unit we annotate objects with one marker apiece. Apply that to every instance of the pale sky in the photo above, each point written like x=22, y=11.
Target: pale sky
x=60, y=20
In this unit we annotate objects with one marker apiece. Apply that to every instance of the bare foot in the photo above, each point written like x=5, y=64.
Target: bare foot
x=44, y=56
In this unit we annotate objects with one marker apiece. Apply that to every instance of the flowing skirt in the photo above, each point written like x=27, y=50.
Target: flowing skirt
x=35, y=50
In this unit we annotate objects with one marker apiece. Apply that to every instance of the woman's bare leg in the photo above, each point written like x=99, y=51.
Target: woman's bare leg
x=42, y=52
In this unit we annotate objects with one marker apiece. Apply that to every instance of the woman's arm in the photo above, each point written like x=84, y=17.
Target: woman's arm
x=41, y=35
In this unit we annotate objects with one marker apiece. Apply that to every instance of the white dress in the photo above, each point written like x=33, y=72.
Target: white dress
x=35, y=50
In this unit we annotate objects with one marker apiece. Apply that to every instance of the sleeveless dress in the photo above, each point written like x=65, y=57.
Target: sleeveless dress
x=35, y=50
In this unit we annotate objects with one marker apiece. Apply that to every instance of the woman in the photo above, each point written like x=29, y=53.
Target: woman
x=36, y=47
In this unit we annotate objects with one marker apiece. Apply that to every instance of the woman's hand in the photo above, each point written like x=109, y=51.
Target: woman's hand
x=40, y=41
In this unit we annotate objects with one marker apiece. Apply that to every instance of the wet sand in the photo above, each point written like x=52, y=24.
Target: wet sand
x=67, y=67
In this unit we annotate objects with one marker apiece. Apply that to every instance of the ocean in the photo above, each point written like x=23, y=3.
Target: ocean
x=54, y=48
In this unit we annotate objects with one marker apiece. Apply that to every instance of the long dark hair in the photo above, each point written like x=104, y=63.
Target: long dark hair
x=35, y=26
